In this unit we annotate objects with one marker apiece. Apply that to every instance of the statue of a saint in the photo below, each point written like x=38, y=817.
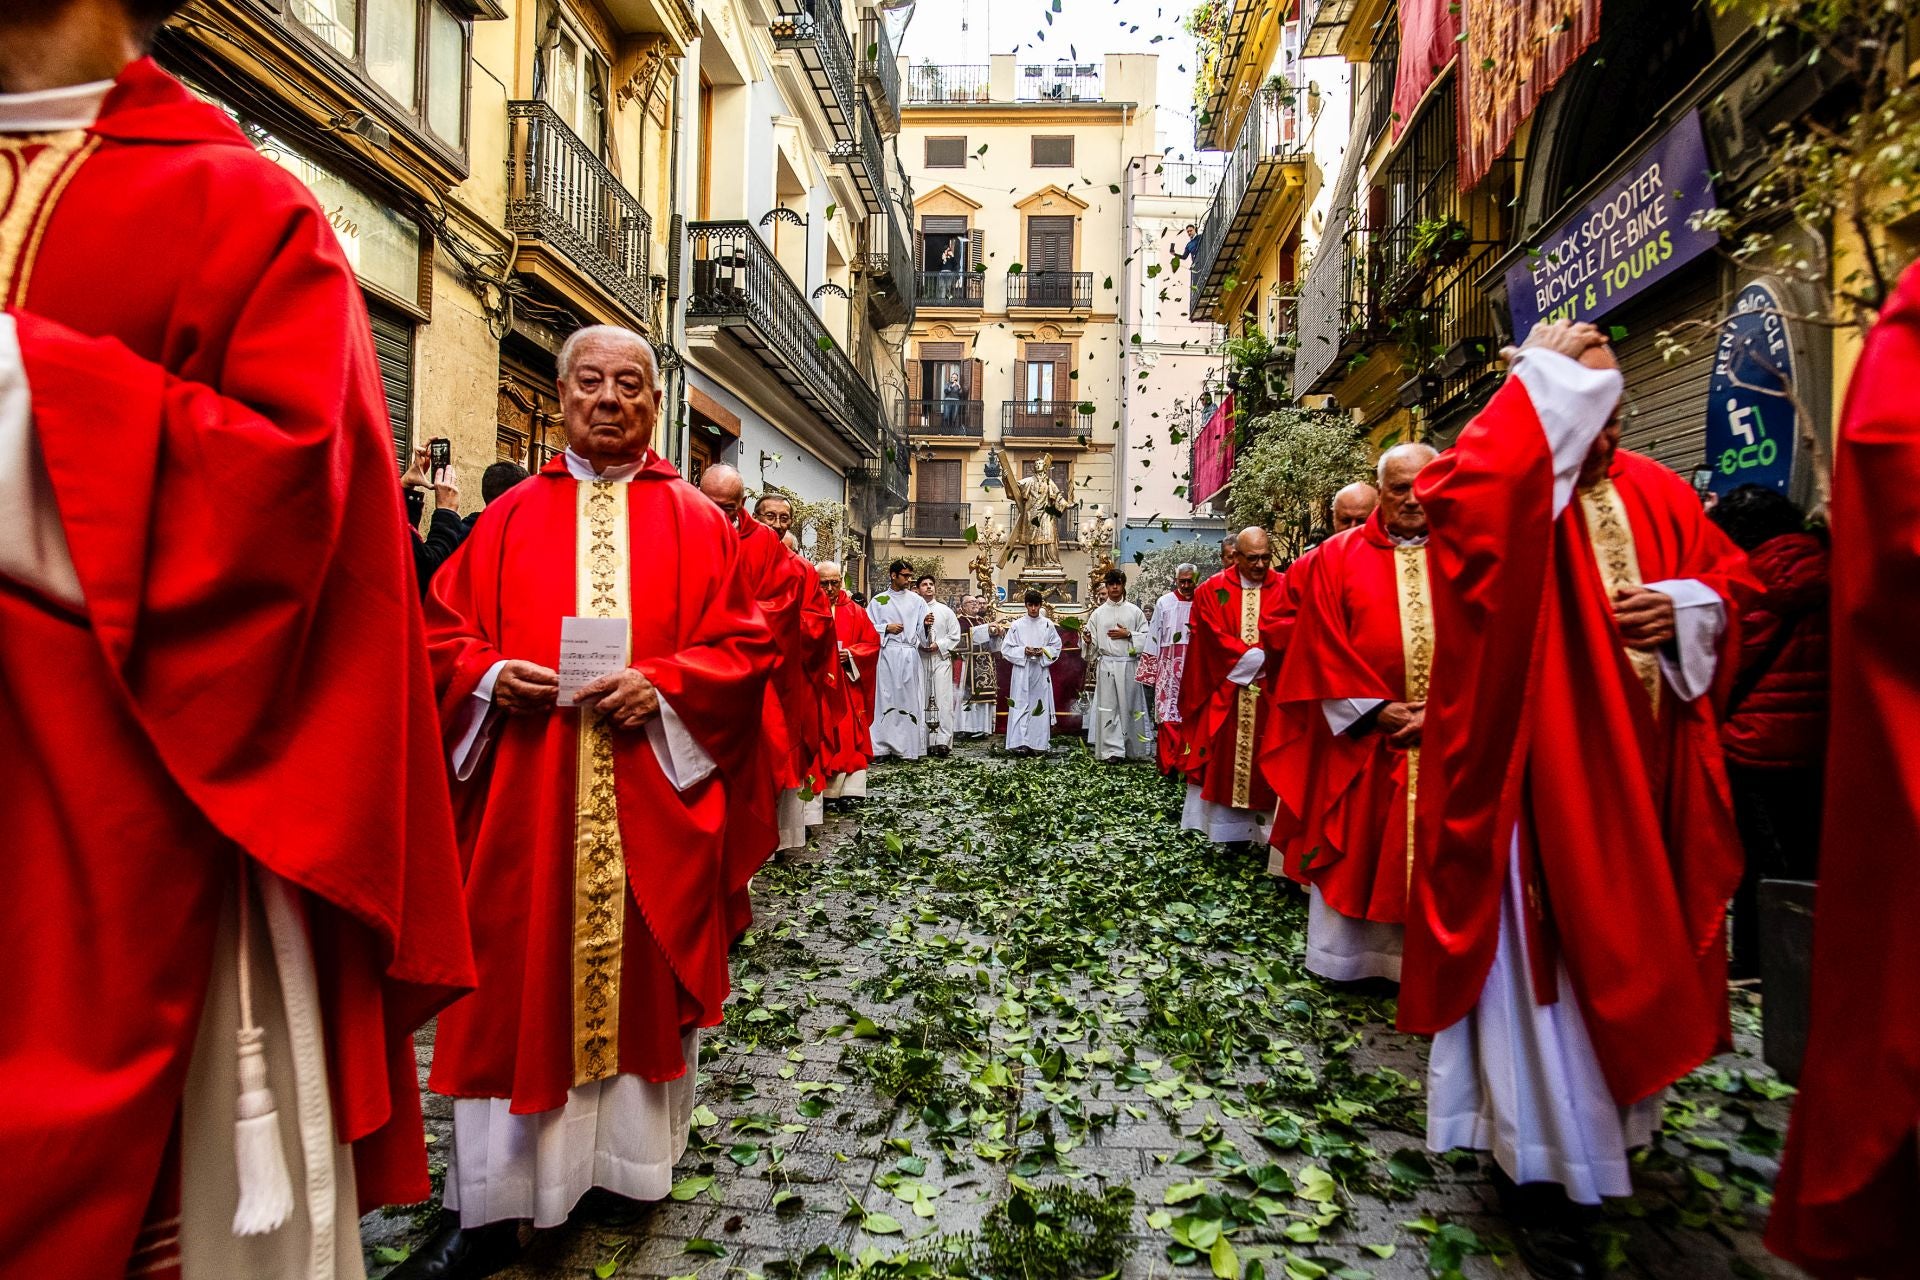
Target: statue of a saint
x=1038, y=504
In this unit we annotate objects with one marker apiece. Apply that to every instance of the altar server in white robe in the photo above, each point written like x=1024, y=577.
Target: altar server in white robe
x=900, y=702
x=1117, y=723
x=939, y=640
x=1031, y=647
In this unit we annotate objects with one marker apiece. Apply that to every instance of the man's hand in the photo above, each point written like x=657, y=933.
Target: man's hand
x=1562, y=336
x=894, y=628
x=926, y=623
x=1407, y=736
x=1645, y=618
x=523, y=687
x=1033, y=652
x=1119, y=633
x=446, y=490
x=1396, y=716
x=415, y=476
x=626, y=697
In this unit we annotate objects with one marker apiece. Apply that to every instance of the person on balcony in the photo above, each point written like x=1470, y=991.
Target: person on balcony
x=950, y=397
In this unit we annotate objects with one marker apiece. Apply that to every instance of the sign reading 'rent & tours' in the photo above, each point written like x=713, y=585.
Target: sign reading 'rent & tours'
x=1635, y=232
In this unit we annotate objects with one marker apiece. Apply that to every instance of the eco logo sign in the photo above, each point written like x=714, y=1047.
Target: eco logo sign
x=1750, y=415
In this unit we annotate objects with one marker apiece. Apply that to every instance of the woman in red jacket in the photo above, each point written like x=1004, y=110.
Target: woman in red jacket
x=1775, y=729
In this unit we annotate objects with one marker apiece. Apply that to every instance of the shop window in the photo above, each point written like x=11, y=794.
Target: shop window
x=414, y=52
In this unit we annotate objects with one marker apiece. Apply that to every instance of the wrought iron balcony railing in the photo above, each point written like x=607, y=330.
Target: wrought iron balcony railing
x=560, y=192
x=952, y=288
x=738, y=283
x=929, y=83
x=888, y=260
x=812, y=29
x=940, y=521
x=1336, y=305
x=943, y=417
x=1265, y=168
x=880, y=70
x=865, y=159
x=1051, y=290
x=1062, y=420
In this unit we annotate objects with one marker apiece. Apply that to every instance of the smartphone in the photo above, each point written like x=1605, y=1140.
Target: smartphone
x=439, y=454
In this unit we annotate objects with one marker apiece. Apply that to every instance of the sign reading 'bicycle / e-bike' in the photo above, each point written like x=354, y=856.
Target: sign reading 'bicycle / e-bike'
x=1631, y=235
x=1750, y=417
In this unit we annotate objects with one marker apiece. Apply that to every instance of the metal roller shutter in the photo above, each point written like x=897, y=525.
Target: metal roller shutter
x=393, y=344
x=1667, y=402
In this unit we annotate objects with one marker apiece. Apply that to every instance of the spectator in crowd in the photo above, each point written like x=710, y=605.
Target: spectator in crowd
x=496, y=480
x=1775, y=727
x=447, y=530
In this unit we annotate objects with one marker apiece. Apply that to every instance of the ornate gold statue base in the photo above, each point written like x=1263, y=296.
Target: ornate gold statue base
x=1050, y=581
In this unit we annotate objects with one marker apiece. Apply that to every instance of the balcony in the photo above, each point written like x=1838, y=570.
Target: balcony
x=1323, y=24
x=928, y=84
x=887, y=260
x=939, y=521
x=568, y=211
x=1249, y=41
x=811, y=28
x=1262, y=194
x=957, y=420
x=1060, y=421
x=1057, y=82
x=1050, y=290
x=1336, y=304
x=961, y=290
x=865, y=159
x=880, y=71
x=740, y=286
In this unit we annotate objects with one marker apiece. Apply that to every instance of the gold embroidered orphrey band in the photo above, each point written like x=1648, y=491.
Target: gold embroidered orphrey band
x=1416, y=647
x=599, y=862
x=1613, y=551
x=29, y=190
x=1248, y=703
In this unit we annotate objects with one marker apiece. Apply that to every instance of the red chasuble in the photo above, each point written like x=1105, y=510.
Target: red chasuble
x=848, y=717
x=598, y=891
x=246, y=675
x=1363, y=630
x=812, y=680
x=1544, y=720
x=1223, y=720
x=1845, y=1200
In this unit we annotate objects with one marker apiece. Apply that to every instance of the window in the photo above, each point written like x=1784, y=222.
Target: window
x=413, y=51
x=575, y=87
x=1052, y=151
x=946, y=153
x=1050, y=243
x=939, y=479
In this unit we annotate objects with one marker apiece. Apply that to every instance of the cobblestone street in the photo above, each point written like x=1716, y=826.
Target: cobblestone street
x=1009, y=1021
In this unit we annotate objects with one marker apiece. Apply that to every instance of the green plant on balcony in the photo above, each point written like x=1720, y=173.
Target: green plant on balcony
x=1285, y=479
x=1257, y=371
x=1437, y=240
x=1207, y=25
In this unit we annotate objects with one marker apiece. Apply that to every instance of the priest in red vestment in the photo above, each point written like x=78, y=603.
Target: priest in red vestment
x=847, y=718
x=1239, y=627
x=1565, y=939
x=1844, y=1203
x=599, y=718
x=216, y=718
x=1342, y=747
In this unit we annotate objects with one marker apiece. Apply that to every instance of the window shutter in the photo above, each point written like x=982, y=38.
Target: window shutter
x=976, y=379
x=919, y=251
x=1050, y=244
x=943, y=225
x=1062, y=384
x=946, y=153
x=1019, y=379
x=940, y=480
x=916, y=384
x=393, y=346
x=1052, y=151
x=979, y=258
x=943, y=351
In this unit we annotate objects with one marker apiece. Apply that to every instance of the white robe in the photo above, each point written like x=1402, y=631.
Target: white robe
x=975, y=719
x=900, y=695
x=1117, y=723
x=623, y=1133
x=1514, y=1077
x=1030, y=694
x=936, y=666
x=1167, y=634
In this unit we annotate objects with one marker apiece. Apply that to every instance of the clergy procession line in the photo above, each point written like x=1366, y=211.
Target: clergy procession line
x=274, y=816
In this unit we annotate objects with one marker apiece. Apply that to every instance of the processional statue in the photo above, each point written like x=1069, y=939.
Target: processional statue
x=1038, y=504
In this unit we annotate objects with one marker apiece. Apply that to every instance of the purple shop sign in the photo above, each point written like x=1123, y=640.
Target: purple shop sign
x=1628, y=237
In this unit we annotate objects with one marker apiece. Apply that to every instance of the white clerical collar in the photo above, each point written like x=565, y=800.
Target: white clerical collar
x=1248, y=584
x=1399, y=541
x=581, y=469
x=73, y=106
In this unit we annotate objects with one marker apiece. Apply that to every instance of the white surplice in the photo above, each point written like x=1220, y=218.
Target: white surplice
x=900, y=692
x=1514, y=1077
x=1167, y=632
x=1117, y=723
x=937, y=647
x=1030, y=693
x=623, y=1133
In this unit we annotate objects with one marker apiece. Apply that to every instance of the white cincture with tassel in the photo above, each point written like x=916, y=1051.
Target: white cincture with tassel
x=266, y=1191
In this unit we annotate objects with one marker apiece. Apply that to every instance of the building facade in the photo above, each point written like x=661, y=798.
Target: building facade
x=1017, y=354
x=501, y=172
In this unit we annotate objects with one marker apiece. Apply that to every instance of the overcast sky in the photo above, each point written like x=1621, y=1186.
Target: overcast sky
x=1083, y=30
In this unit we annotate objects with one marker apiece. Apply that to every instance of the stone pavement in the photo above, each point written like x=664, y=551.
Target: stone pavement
x=1010, y=1021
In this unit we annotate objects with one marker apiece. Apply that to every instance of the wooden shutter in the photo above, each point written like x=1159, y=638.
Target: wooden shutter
x=1050, y=244
x=1059, y=355
x=919, y=251
x=976, y=379
x=940, y=480
x=946, y=153
x=393, y=345
x=978, y=260
x=943, y=225
x=916, y=387
x=1052, y=151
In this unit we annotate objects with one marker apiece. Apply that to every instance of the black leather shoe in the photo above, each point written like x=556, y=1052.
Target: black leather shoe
x=1549, y=1230
x=454, y=1252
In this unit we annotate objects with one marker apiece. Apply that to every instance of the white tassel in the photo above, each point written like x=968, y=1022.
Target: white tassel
x=266, y=1192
